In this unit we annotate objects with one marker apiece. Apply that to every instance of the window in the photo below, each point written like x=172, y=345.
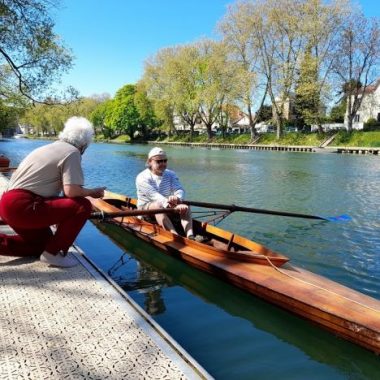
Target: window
x=357, y=118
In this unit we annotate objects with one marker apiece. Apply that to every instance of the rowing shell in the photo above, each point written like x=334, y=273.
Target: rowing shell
x=262, y=272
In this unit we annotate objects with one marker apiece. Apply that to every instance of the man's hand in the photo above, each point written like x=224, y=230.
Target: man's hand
x=182, y=209
x=173, y=201
x=98, y=192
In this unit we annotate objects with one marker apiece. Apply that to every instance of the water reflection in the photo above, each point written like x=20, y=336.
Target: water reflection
x=144, y=278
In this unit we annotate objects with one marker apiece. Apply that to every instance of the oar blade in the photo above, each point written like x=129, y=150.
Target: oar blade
x=338, y=219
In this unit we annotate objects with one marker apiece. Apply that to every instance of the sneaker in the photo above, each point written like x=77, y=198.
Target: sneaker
x=59, y=260
x=198, y=238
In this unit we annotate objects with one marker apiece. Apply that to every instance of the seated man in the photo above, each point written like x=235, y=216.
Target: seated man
x=159, y=187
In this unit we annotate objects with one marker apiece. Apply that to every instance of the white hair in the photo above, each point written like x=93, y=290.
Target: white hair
x=78, y=131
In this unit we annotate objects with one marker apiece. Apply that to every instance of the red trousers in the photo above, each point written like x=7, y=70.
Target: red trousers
x=31, y=216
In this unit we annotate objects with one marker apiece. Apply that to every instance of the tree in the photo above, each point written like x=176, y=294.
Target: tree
x=337, y=112
x=9, y=116
x=357, y=60
x=270, y=42
x=264, y=113
x=47, y=119
x=321, y=26
x=307, y=102
x=99, y=116
x=171, y=81
x=124, y=116
x=216, y=81
x=277, y=40
x=184, y=87
x=236, y=28
x=158, y=81
x=32, y=57
x=144, y=106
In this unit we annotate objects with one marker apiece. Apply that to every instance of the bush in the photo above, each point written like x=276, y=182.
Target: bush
x=372, y=125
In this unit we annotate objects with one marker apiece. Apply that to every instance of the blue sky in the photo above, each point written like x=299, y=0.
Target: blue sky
x=111, y=39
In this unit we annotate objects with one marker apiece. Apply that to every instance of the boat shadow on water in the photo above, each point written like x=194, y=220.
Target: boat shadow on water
x=166, y=271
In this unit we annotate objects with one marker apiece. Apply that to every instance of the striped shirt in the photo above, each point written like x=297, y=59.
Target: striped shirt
x=154, y=188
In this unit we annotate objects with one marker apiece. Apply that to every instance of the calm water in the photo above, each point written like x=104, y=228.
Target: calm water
x=230, y=333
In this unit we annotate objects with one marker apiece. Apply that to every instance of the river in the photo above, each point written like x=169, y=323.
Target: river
x=229, y=332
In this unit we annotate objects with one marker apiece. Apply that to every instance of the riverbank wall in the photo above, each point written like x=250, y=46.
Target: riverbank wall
x=284, y=148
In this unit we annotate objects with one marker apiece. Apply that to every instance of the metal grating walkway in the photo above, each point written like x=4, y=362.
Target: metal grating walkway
x=65, y=324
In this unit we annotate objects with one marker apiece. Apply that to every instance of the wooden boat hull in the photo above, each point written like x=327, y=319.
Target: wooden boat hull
x=338, y=309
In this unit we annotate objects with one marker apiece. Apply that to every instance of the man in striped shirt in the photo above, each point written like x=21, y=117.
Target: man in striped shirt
x=159, y=187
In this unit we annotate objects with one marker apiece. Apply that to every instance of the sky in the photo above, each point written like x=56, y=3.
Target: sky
x=111, y=39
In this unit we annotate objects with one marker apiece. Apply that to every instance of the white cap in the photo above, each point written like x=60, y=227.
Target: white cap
x=156, y=152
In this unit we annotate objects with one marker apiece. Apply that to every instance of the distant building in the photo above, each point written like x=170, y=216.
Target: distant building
x=239, y=123
x=288, y=106
x=199, y=126
x=370, y=107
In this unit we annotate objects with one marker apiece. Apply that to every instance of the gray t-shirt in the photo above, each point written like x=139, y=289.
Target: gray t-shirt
x=45, y=170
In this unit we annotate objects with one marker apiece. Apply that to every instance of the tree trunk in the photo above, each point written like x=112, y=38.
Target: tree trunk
x=350, y=121
x=209, y=131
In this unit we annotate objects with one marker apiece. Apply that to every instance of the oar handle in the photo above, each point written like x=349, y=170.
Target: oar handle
x=6, y=169
x=116, y=214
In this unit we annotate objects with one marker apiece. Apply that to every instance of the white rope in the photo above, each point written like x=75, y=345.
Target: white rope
x=319, y=287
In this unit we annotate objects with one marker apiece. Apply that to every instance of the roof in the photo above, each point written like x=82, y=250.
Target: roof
x=372, y=88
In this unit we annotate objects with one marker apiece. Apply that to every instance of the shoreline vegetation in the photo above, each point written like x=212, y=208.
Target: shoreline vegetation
x=341, y=139
x=360, y=140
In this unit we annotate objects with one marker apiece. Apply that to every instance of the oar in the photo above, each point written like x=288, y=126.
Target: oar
x=6, y=169
x=233, y=208
x=109, y=215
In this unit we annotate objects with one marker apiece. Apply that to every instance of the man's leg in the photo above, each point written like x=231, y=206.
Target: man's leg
x=17, y=210
x=187, y=223
x=162, y=219
x=27, y=242
x=70, y=215
x=31, y=216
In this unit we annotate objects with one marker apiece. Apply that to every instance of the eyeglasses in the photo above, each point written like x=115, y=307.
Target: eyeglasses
x=164, y=161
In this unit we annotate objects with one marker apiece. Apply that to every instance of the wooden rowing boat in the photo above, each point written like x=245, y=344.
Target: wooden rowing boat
x=262, y=272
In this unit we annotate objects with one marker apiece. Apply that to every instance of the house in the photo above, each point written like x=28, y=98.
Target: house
x=370, y=107
x=287, y=106
x=239, y=123
x=199, y=127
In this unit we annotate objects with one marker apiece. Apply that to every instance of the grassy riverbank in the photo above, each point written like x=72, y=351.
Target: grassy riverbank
x=342, y=139
x=356, y=138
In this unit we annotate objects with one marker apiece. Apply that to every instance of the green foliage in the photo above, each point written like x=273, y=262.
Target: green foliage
x=121, y=139
x=98, y=117
x=9, y=116
x=372, y=125
x=301, y=139
x=264, y=113
x=49, y=119
x=307, y=104
x=122, y=115
x=32, y=57
x=358, y=139
x=147, y=118
x=337, y=112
